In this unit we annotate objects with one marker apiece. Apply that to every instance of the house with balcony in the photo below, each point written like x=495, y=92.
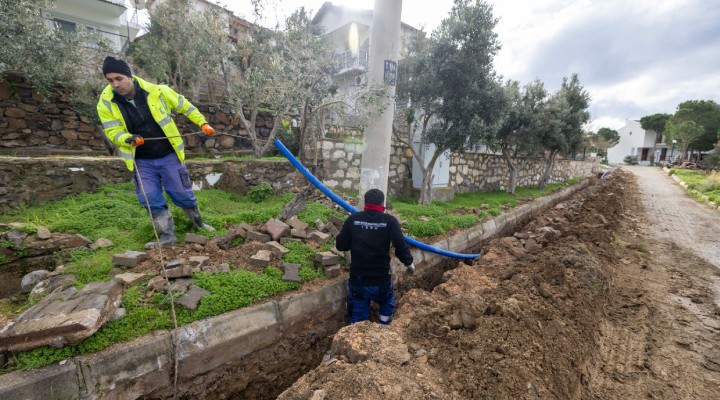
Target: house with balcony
x=639, y=144
x=114, y=20
x=237, y=28
x=348, y=30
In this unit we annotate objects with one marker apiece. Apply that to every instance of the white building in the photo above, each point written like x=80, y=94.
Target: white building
x=349, y=31
x=112, y=19
x=639, y=143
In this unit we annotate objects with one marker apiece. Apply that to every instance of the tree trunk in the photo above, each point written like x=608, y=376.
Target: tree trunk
x=426, y=187
x=549, y=162
x=512, y=168
x=652, y=151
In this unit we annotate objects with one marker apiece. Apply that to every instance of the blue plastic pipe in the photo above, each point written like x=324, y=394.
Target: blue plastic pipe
x=348, y=207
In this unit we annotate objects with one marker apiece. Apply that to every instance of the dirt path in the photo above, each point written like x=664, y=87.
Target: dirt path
x=585, y=302
x=662, y=337
x=677, y=217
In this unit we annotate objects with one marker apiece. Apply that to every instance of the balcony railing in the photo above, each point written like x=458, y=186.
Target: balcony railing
x=117, y=42
x=347, y=60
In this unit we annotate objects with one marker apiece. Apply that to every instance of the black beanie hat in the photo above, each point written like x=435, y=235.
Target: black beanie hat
x=112, y=64
x=374, y=196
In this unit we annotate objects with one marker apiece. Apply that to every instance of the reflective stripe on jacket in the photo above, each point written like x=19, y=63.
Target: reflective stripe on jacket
x=162, y=102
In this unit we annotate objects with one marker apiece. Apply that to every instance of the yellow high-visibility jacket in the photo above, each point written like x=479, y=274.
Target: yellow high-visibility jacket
x=162, y=102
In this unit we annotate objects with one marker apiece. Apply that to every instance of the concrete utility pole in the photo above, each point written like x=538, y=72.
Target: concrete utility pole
x=382, y=70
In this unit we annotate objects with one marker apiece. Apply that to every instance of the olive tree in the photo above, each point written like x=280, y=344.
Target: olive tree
x=560, y=130
x=184, y=47
x=287, y=73
x=454, y=89
x=46, y=56
x=519, y=118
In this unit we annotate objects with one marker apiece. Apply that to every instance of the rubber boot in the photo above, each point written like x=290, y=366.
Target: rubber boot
x=194, y=215
x=165, y=227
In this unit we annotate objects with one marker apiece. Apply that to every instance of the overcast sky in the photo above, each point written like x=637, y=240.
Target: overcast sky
x=635, y=57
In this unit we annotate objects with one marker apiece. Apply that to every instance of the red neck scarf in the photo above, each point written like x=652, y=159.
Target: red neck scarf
x=374, y=207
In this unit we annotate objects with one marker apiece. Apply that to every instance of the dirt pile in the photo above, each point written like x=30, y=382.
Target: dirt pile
x=524, y=322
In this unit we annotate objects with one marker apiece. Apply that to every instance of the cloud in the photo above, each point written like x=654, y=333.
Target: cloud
x=635, y=57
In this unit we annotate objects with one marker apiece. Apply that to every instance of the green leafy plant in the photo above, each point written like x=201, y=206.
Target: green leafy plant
x=260, y=192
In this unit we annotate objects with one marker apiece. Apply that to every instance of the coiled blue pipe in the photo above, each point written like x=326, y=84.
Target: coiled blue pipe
x=339, y=200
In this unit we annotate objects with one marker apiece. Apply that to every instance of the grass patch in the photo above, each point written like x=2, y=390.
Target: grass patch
x=707, y=184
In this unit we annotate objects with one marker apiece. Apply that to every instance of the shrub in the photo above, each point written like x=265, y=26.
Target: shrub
x=260, y=192
x=630, y=160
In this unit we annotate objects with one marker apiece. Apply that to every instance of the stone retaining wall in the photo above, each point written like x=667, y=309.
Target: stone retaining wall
x=33, y=124
x=470, y=172
x=253, y=352
x=25, y=180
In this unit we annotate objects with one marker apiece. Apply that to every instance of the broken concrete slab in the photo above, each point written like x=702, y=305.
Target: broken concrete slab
x=285, y=240
x=277, y=249
x=297, y=233
x=246, y=226
x=195, y=238
x=319, y=225
x=332, y=271
x=319, y=237
x=295, y=223
x=258, y=237
x=191, y=299
x=276, y=229
x=183, y=271
x=180, y=285
x=333, y=230
x=261, y=259
x=327, y=258
x=63, y=317
x=335, y=220
x=292, y=272
x=129, y=258
x=130, y=278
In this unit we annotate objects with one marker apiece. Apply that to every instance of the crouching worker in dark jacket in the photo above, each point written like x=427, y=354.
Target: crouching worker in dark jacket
x=368, y=235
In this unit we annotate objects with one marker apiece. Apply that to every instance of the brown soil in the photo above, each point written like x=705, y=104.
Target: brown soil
x=600, y=309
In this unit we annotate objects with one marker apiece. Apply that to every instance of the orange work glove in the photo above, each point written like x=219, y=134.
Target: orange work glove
x=135, y=140
x=207, y=129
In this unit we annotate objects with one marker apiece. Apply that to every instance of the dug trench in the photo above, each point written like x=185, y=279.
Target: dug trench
x=581, y=303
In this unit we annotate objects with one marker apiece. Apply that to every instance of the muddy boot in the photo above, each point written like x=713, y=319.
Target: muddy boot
x=165, y=227
x=194, y=215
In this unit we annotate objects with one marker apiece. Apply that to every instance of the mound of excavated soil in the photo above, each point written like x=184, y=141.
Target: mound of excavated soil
x=524, y=322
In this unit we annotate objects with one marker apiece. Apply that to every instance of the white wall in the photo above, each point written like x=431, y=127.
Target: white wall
x=632, y=137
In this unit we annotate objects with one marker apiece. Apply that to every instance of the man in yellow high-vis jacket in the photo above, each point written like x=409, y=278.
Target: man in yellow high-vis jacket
x=132, y=110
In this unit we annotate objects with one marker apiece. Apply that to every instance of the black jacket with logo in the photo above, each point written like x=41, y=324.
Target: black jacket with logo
x=368, y=235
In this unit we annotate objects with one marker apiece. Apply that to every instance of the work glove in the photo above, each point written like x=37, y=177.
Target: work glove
x=135, y=140
x=410, y=268
x=208, y=129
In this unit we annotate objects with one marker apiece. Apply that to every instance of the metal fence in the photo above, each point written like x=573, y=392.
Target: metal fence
x=347, y=60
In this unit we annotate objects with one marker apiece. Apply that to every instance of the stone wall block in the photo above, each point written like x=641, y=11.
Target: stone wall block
x=304, y=310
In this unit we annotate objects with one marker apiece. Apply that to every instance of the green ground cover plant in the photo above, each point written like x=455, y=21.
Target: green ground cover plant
x=112, y=212
x=707, y=184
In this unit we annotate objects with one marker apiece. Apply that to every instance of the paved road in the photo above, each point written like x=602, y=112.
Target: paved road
x=677, y=216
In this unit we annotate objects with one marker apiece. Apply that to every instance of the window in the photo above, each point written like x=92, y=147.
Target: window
x=65, y=26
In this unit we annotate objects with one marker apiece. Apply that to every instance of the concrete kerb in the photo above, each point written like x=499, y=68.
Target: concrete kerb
x=324, y=304
x=51, y=382
x=139, y=367
x=128, y=370
x=209, y=343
